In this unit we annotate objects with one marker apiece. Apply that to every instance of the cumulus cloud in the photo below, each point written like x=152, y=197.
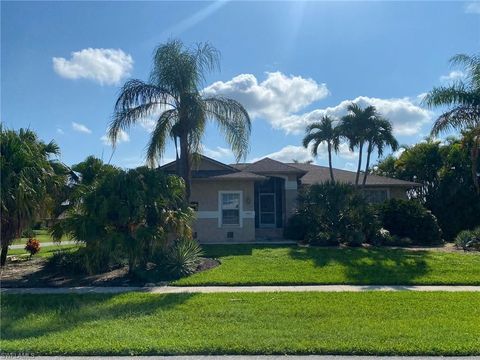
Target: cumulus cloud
x=105, y=66
x=122, y=137
x=60, y=131
x=218, y=153
x=274, y=99
x=80, y=128
x=406, y=116
x=452, y=76
x=472, y=7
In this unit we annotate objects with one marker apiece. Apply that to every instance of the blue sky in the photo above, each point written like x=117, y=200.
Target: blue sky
x=289, y=63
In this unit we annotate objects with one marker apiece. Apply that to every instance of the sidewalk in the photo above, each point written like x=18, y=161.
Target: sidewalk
x=237, y=289
x=44, y=244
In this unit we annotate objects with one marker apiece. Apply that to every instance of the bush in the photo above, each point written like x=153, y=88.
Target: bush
x=32, y=246
x=409, y=219
x=68, y=261
x=183, y=257
x=468, y=240
x=28, y=233
x=332, y=214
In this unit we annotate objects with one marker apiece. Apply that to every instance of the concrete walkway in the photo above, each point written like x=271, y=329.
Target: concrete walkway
x=236, y=289
x=44, y=244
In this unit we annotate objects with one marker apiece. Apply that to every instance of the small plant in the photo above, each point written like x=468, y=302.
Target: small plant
x=32, y=246
x=468, y=240
x=183, y=257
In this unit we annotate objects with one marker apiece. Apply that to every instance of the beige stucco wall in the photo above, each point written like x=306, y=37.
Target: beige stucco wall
x=398, y=193
x=206, y=193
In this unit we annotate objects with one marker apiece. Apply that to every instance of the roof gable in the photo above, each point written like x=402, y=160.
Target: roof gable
x=267, y=165
x=204, y=164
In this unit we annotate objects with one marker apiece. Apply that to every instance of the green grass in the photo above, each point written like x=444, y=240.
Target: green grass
x=268, y=265
x=403, y=323
x=41, y=235
x=45, y=252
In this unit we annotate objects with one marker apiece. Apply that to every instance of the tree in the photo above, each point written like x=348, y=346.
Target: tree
x=27, y=174
x=355, y=127
x=379, y=136
x=320, y=132
x=463, y=100
x=173, y=92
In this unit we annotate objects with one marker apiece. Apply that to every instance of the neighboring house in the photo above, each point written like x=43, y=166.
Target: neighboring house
x=249, y=202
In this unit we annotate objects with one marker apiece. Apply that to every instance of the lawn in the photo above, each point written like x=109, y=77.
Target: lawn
x=403, y=323
x=45, y=251
x=41, y=235
x=258, y=265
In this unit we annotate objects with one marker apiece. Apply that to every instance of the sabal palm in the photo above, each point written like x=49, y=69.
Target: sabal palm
x=173, y=95
x=380, y=135
x=463, y=100
x=320, y=132
x=27, y=176
x=355, y=127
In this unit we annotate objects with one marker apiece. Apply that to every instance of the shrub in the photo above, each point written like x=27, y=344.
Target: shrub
x=333, y=213
x=183, y=257
x=409, y=219
x=468, y=240
x=68, y=261
x=32, y=246
x=28, y=233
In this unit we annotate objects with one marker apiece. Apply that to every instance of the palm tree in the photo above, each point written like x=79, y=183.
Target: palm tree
x=355, y=127
x=27, y=177
x=463, y=100
x=380, y=135
x=173, y=95
x=320, y=132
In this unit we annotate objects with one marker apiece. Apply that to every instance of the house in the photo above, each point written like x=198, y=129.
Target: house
x=253, y=201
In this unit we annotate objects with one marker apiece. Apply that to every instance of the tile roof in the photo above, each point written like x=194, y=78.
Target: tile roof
x=267, y=165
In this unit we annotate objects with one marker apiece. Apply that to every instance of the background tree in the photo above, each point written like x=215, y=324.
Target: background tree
x=27, y=174
x=379, y=136
x=173, y=90
x=323, y=132
x=463, y=101
x=355, y=127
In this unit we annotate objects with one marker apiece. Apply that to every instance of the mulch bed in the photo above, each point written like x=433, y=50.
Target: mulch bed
x=36, y=273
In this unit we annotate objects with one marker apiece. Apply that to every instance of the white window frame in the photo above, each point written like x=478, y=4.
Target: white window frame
x=220, y=209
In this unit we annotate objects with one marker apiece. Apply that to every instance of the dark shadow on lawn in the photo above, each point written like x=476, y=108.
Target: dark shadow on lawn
x=69, y=311
x=369, y=266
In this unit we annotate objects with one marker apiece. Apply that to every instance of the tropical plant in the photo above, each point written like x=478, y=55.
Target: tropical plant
x=183, y=257
x=379, y=136
x=463, y=100
x=468, y=240
x=27, y=175
x=172, y=95
x=32, y=246
x=355, y=127
x=128, y=215
x=323, y=132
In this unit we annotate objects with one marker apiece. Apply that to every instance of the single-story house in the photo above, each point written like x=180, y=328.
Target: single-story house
x=252, y=201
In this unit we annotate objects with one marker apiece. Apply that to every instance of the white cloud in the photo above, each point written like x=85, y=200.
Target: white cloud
x=472, y=7
x=60, y=131
x=80, y=128
x=274, y=99
x=218, y=153
x=289, y=153
x=452, y=76
x=122, y=137
x=105, y=66
x=407, y=118
x=349, y=166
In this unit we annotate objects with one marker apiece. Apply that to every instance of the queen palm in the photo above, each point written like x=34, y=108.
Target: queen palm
x=355, y=127
x=322, y=132
x=173, y=96
x=463, y=101
x=379, y=136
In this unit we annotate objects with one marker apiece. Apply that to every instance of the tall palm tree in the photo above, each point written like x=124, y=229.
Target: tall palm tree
x=27, y=177
x=172, y=94
x=320, y=132
x=463, y=100
x=355, y=127
x=380, y=135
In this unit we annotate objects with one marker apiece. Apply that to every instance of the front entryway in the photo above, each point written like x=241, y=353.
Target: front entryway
x=267, y=211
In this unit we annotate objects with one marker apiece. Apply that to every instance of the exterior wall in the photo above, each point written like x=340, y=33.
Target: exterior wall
x=207, y=226
x=398, y=193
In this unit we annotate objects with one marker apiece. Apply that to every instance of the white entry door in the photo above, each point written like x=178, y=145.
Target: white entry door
x=267, y=209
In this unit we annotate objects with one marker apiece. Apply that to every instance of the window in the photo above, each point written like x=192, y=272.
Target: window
x=377, y=196
x=230, y=207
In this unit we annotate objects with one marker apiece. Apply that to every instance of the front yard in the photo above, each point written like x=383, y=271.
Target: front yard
x=269, y=265
x=402, y=323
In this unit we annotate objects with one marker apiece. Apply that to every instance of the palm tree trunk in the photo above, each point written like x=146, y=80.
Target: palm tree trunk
x=3, y=257
x=185, y=171
x=360, y=154
x=474, y=155
x=369, y=152
x=330, y=161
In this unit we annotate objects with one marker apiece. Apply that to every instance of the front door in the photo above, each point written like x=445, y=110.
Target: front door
x=267, y=209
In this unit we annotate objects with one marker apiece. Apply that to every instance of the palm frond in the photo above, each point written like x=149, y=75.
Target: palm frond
x=158, y=139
